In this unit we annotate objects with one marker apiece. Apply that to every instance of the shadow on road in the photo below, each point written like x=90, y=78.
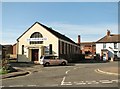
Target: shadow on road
x=90, y=61
x=30, y=64
x=22, y=64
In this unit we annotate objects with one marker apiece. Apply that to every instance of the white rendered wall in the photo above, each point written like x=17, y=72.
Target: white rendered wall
x=99, y=46
x=51, y=39
x=110, y=47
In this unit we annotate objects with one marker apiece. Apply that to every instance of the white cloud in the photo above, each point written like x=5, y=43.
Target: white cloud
x=6, y=43
x=87, y=32
x=9, y=36
x=91, y=32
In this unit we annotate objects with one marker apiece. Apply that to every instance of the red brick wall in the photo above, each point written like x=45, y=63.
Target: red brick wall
x=14, y=49
x=88, y=48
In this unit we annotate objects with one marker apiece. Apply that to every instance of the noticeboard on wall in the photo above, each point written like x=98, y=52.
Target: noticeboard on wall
x=46, y=50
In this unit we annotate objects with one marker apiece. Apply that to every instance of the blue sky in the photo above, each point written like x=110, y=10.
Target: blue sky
x=88, y=19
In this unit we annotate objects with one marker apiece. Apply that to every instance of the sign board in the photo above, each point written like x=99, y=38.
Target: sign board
x=46, y=50
x=36, y=39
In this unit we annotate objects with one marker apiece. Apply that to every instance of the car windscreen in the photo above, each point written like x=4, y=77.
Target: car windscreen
x=51, y=57
x=47, y=57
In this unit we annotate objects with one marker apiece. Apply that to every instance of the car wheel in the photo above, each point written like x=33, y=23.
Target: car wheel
x=47, y=64
x=63, y=63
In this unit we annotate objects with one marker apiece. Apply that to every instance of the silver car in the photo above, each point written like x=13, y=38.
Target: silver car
x=52, y=60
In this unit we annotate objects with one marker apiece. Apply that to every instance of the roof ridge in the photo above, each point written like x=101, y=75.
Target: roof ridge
x=57, y=34
x=109, y=39
x=54, y=31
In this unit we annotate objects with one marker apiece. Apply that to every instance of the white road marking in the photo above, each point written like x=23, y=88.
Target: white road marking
x=54, y=85
x=63, y=80
x=2, y=86
x=106, y=81
x=12, y=86
x=31, y=85
x=80, y=83
x=100, y=71
x=86, y=82
x=92, y=82
x=67, y=71
x=115, y=81
x=65, y=83
x=16, y=86
x=75, y=68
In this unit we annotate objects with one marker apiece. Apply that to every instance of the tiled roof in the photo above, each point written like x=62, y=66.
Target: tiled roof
x=113, y=38
x=57, y=34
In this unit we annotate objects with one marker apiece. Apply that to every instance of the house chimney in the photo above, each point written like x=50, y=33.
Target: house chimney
x=108, y=32
x=78, y=39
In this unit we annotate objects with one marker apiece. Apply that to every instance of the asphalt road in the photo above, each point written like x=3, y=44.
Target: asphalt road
x=73, y=75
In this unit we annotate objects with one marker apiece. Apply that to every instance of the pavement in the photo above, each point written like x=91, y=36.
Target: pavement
x=14, y=74
x=113, y=70
x=22, y=69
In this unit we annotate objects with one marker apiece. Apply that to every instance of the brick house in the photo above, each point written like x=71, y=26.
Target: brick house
x=88, y=48
x=7, y=50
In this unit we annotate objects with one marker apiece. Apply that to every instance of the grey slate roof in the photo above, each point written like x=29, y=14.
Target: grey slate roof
x=57, y=34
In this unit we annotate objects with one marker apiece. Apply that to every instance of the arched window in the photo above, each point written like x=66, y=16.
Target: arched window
x=36, y=35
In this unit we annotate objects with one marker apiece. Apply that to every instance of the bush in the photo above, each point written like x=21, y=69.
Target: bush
x=2, y=71
x=4, y=66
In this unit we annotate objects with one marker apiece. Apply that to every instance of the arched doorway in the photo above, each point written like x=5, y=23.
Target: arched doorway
x=35, y=51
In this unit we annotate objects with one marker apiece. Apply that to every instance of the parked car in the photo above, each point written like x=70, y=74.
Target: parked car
x=89, y=56
x=52, y=60
x=97, y=57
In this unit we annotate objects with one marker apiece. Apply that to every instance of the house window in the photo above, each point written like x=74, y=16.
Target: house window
x=115, y=45
x=115, y=52
x=36, y=35
x=50, y=49
x=104, y=45
x=65, y=48
x=76, y=49
x=22, y=49
x=62, y=47
x=69, y=48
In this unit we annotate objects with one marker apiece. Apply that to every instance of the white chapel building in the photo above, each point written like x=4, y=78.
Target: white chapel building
x=41, y=40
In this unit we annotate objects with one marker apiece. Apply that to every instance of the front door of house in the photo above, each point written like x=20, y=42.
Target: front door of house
x=35, y=54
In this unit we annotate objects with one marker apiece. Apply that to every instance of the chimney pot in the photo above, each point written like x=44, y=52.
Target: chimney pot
x=78, y=39
x=108, y=32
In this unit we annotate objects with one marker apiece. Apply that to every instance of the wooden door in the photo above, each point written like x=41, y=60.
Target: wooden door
x=35, y=54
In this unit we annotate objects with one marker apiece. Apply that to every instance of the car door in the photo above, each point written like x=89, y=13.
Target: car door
x=57, y=60
x=52, y=60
